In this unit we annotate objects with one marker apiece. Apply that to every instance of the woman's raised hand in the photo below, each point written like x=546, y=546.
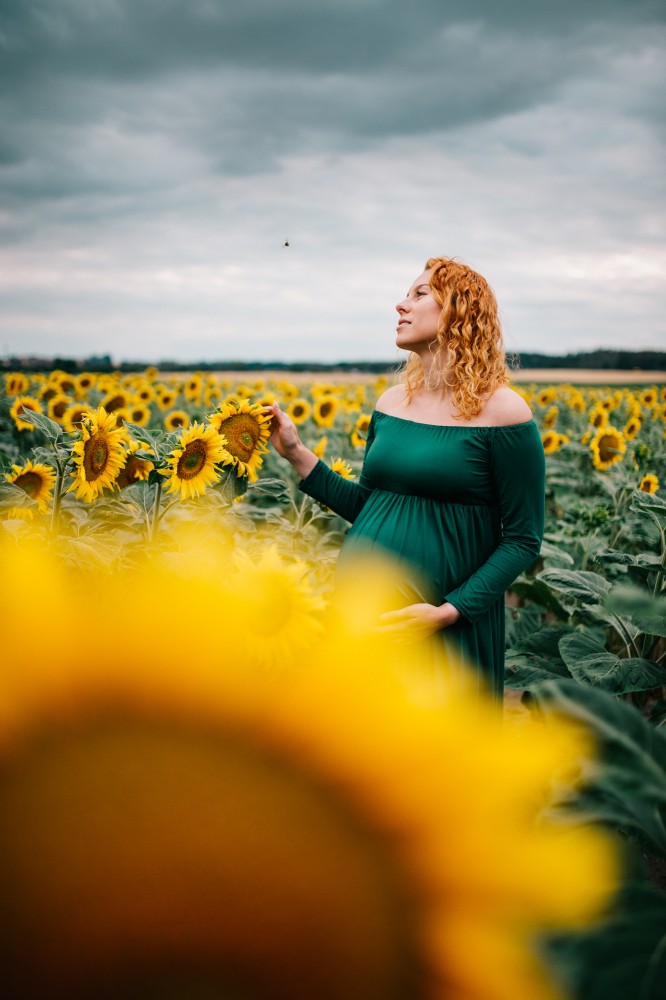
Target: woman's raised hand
x=284, y=438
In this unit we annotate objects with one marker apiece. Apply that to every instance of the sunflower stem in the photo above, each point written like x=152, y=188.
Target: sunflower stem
x=57, y=496
x=156, y=511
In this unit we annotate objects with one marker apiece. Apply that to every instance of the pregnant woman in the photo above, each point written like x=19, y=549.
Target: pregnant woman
x=453, y=479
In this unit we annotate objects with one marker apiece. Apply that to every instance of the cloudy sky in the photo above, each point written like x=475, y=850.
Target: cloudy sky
x=155, y=155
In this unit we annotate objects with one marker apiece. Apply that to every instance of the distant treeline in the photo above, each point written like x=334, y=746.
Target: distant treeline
x=600, y=360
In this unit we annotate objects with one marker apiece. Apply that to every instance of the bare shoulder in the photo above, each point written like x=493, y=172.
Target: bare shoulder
x=506, y=406
x=391, y=398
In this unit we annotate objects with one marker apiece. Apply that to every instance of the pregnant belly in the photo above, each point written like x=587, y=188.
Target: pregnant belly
x=439, y=544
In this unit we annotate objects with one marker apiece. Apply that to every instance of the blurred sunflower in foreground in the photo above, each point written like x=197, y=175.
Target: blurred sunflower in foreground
x=176, y=823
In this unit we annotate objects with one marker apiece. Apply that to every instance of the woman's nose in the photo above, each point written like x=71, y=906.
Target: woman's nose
x=401, y=306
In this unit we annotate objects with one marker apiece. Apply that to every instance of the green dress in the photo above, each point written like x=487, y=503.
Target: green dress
x=461, y=507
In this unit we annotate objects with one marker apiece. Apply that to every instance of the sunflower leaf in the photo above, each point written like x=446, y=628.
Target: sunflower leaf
x=647, y=503
x=621, y=957
x=140, y=433
x=579, y=585
x=591, y=663
x=52, y=430
x=629, y=788
x=556, y=553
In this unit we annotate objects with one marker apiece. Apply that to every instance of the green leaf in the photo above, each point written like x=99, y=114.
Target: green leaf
x=579, y=585
x=52, y=430
x=556, y=553
x=591, y=663
x=524, y=670
x=140, y=433
x=539, y=593
x=624, y=956
x=648, y=613
x=614, y=557
x=141, y=493
x=629, y=788
x=646, y=503
x=12, y=495
x=521, y=622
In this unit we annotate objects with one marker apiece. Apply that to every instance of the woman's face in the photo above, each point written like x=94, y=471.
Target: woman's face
x=418, y=316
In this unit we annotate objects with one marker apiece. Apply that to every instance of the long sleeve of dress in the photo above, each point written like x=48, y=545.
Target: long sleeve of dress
x=345, y=497
x=518, y=469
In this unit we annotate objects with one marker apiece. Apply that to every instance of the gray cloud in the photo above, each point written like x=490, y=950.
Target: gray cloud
x=154, y=156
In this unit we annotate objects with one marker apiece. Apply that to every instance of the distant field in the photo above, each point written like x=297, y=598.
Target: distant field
x=576, y=376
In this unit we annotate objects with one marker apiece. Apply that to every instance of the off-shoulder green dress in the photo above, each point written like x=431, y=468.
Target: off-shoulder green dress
x=461, y=506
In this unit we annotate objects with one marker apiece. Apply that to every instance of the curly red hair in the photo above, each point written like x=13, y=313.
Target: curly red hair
x=468, y=355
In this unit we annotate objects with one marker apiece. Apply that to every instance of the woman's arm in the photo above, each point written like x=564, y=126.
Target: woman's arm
x=317, y=480
x=519, y=469
x=285, y=440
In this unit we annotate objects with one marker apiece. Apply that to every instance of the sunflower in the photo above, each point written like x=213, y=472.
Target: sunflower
x=115, y=399
x=84, y=383
x=607, y=447
x=299, y=410
x=649, y=483
x=649, y=397
x=98, y=456
x=20, y=409
x=325, y=411
x=550, y=417
x=47, y=392
x=166, y=398
x=546, y=396
x=138, y=414
x=363, y=423
x=192, y=464
x=72, y=418
x=282, y=610
x=58, y=406
x=67, y=384
x=246, y=428
x=631, y=428
x=316, y=832
x=193, y=388
x=136, y=469
x=212, y=394
x=287, y=390
x=320, y=448
x=576, y=402
x=16, y=383
x=342, y=468
x=598, y=417
x=35, y=480
x=551, y=442
x=145, y=393
x=176, y=419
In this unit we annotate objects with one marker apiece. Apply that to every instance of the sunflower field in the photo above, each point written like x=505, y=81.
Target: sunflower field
x=160, y=549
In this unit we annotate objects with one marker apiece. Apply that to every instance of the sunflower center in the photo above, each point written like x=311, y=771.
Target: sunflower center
x=29, y=482
x=608, y=446
x=216, y=860
x=115, y=403
x=242, y=432
x=95, y=456
x=192, y=461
